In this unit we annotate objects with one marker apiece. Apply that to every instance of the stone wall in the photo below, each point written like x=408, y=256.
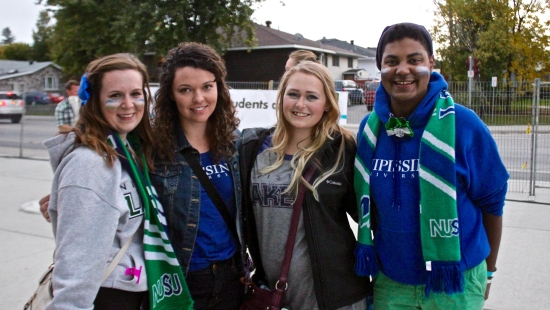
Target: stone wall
x=34, y=81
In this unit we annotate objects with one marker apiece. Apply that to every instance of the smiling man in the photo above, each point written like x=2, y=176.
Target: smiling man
x=428, y=173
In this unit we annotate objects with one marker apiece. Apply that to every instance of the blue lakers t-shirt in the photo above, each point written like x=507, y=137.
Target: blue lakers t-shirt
x=214, y=241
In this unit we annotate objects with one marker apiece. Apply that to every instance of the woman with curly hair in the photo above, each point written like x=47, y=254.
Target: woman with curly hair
x=195, y=118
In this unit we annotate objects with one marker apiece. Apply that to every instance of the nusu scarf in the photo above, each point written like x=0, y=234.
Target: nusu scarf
x=165, y=280
x=439, y=229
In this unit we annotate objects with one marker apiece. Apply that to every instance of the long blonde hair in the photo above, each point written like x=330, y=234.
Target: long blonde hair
x=322, y=131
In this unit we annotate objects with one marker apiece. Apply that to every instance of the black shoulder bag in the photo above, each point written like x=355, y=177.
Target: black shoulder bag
x=211, y=191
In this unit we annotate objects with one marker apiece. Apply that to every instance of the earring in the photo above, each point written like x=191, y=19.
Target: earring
x=326, y=110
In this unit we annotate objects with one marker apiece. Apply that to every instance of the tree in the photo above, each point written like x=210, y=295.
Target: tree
x=88, y=29
x=507, y=37
x=41, y=37
x=163, y=24
x=18, y=51
x=8, y=36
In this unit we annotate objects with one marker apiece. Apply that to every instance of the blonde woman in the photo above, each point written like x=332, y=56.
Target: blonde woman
x=307, y=133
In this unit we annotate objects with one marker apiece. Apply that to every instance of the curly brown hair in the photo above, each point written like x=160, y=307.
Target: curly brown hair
x=92, y=128
x=223, y=121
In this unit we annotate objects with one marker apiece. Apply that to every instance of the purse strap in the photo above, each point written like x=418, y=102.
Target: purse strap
x=289, y=248
x=210, y=190
x=117, y=259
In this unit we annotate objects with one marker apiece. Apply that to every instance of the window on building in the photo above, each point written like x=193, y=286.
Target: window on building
x=324, y=59
x=21, y=88
x=51, y=83
x=350, y=62
x=11, y=87
x=335, y=61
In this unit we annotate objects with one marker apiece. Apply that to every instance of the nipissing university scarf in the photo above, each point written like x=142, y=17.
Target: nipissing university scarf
x=165, y=280
x=438, y=209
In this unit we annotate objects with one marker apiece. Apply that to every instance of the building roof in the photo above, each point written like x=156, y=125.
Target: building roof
x=15, y=68
x=270, y=38
x=369, y=52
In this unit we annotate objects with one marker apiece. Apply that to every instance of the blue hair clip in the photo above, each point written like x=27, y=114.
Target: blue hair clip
x=84, y=91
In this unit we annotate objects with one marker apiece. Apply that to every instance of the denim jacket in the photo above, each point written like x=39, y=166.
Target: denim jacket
x=179, y=192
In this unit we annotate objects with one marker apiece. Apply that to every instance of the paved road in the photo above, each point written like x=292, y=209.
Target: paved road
x=33, y=129
x=27, y=242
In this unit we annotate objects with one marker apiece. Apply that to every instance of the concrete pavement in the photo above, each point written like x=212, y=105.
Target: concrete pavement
x=27, y=241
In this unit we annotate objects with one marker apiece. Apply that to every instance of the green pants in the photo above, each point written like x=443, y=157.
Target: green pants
x=392, y=295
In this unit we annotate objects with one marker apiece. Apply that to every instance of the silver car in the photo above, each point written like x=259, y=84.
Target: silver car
x=12, y=106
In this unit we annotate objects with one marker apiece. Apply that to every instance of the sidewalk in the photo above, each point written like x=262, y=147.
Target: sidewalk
x=27, y=241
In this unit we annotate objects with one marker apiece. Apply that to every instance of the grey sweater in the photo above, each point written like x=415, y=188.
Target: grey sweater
x=94, y=210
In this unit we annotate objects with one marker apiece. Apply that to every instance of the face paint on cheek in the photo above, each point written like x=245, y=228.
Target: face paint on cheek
x=385, y=71
x=423, y=70
x=140, y=102
x=112, y=104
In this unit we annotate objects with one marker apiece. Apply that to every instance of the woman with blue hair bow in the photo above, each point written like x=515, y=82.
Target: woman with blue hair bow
x=103, y=207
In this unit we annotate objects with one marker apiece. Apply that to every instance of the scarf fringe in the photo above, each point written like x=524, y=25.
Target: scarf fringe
x=366, y=263
x=445, y=277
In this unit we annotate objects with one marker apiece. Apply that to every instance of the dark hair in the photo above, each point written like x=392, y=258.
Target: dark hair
x=71, y=83
x=401, y=31
x=91, y=128
x=223, y=121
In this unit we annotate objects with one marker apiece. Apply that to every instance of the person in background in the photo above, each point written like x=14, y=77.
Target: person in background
x=102, y=200
x=300, y=55
x=273, y=161
x=64, y=112
x=430, y=185
x=194, y=115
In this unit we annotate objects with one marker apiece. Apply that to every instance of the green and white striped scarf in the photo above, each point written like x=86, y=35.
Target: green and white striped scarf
x=165, y=280
x=438, y=209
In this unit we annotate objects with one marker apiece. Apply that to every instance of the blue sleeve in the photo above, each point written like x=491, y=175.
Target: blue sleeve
x=481, y=171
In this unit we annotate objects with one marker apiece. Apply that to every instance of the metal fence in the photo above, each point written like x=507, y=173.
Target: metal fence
x=517, y=114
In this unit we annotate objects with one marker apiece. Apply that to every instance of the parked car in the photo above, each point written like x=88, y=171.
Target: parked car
x=12, y=106
x=355, y=93
x=37, y=97
x=370, y=94
x=55, y=97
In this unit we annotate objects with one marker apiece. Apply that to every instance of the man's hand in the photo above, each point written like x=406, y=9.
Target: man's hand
x=64, y=128
x=44, y=203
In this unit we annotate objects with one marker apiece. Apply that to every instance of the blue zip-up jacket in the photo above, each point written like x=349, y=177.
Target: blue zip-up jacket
x=481, y=187
x=179, y=192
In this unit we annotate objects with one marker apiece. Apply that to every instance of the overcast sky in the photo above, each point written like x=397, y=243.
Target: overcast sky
x=358, y=20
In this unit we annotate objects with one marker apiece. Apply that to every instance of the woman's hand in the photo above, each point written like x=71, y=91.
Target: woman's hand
x=44, y=202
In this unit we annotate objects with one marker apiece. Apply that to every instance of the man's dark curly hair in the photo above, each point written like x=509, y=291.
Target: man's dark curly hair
x=223, y=121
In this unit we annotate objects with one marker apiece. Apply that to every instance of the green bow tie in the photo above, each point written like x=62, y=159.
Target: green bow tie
x=399, y=127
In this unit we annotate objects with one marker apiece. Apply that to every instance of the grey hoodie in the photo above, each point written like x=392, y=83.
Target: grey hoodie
x=94, y=210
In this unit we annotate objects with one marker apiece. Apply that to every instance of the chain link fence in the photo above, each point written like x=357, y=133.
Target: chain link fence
x=517, y=114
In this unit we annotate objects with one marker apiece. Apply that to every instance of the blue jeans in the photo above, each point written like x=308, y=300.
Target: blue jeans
x=217, y=286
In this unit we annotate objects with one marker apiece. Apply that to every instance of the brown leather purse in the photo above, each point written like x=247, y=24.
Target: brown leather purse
x=259, y=298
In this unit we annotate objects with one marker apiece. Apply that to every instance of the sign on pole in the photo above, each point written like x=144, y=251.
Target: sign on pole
x=471, y=73
x=494, y=81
